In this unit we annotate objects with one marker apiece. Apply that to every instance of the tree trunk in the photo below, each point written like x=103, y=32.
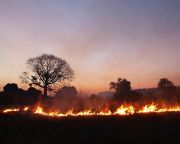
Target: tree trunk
x=45, y=91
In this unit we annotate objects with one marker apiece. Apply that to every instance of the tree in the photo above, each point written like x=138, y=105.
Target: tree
x=32, y=96
x=164, y=83
x=11, y=88
x=168, y=91
x=11, y=94
x=122, y=88
x=47, y=70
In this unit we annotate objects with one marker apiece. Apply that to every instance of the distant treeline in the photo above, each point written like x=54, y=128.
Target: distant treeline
x=13, y=96
x=166, y=94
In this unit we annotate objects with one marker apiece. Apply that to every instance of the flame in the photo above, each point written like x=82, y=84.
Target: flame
x=26, y=109
x=122, y=110
x=88, y=112
x=154, y=109
x=11, y=110
x=125, y=110
x=148, y=109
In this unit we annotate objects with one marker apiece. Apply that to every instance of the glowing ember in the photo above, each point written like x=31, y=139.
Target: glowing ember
x=26, y=109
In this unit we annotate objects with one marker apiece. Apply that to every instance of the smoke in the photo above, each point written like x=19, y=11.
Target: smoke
x=67, y=99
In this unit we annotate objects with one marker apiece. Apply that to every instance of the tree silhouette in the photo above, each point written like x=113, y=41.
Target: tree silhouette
x=46, y=71
x=168, y=91
x=10, y=88
x=164, y=83
x=12, y=95
x=122, y=89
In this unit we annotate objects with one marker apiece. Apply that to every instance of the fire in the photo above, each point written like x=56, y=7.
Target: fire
x=125, y=110
x=26, y=109
x=89, y=112
x=40, y=111
x=122, y=110
x=148, y=109
x=154, y=109
x=11, y=110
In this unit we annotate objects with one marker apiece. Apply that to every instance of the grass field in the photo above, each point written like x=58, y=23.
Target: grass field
x=151, y=128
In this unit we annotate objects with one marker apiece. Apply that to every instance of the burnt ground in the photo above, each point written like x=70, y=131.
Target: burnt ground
x=141, y=129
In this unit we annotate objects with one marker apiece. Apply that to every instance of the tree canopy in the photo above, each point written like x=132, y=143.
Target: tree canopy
x=46, y=70
x=122, y=88
x=164, y=83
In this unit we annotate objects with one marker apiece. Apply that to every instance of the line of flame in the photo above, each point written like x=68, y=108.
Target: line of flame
x=122, y=110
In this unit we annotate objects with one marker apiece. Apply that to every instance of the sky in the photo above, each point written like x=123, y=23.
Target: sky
x=101, y=39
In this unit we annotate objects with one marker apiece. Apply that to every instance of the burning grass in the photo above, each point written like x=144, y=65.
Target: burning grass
x=122, y=110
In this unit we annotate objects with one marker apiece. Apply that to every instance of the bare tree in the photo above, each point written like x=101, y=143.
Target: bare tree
x=46, y=71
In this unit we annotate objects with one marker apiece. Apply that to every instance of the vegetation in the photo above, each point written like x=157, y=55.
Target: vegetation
x=122, y=88
x=46, y=70
x=14, y=96
x=67, y=97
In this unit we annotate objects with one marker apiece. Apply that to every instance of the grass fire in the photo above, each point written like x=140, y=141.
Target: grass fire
x=89, y=71
x=49, y=113
x=122, y=110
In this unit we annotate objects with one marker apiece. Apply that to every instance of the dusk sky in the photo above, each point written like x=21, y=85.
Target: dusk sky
x=101, y=39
